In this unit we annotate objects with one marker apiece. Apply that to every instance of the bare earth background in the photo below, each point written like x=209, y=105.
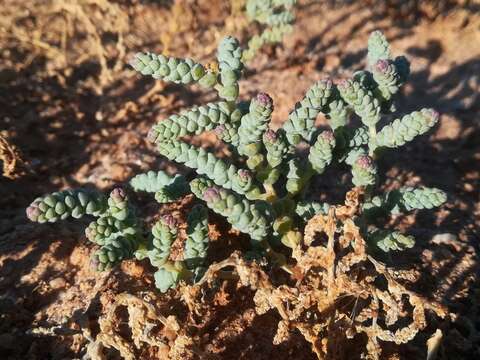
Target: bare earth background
x=78, y=116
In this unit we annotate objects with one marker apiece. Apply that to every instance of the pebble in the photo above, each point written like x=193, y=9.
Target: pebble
x=57, y=283
x=444, y=238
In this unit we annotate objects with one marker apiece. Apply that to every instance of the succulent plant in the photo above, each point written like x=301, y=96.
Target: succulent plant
x=115, y=228
x=70, y=203
x=276, y=16
x=264, y=189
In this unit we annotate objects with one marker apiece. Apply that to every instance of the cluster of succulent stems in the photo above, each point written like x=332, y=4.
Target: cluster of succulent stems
x=275, y=16
x=263, y=190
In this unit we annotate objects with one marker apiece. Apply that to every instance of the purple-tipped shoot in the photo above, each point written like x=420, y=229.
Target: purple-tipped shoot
x=152, y=135
x=433, y=114
x=118, y=195
x=219, y=130
x=211, y=194
x=169, y=220
x=244, y=174
x=264, y=99
x=364, y=162
x=343, y=84
x=327, y=135
x=270, y=136
x=33, y=212
x=381, y=66
x=327, y=83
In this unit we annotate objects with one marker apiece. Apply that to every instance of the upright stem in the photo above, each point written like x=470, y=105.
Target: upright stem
x=277, y=257
x=331, y=257
x=372, y=144
x=270, y=193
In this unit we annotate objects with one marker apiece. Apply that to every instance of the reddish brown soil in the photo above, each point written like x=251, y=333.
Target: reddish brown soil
x=70, y=136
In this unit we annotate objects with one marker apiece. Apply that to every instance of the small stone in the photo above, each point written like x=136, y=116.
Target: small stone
x=445, y=238
x=57, y=283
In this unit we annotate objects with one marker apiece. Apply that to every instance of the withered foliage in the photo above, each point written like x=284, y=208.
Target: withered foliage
x=341, y=293
x=10, y=159
x=67, y=32
x=341, y=297
x=148, y=329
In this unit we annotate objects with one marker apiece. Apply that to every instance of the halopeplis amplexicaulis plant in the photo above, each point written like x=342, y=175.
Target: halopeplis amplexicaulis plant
x=263, y=190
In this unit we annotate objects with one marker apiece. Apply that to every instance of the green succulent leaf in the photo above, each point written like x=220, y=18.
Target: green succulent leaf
x=410, y=198
x=364, y=171
x=64, y=204
x=308, y=209
x=250, y=217
x=196, y=245
x=114, y=251
x=179, y=71
x=390, y=241
x=362, y=100
x=205, y=163
x=166, y=279
x=378, y=48
x=300, y=123
x=194, y=121
x=321, y=152
x=403, y=130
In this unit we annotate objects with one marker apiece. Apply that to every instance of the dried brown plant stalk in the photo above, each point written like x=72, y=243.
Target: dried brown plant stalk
x=10, y=157
x=180, y=19
x=67, y=32
x=342, y=298
x=336, y=299
x=143, y=321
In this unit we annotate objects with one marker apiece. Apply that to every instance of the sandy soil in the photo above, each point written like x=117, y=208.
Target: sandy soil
x=70, y=136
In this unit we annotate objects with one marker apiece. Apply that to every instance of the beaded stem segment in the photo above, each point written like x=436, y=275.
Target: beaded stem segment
x=253, y=218
x=403, y=130
x=196, y=245
x=251, y=129
x=179, y=71
x=276, y=16
x=299, y=125
x=70, y=203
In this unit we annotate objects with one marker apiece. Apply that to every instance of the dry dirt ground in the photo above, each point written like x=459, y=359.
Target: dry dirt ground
x=77, y=122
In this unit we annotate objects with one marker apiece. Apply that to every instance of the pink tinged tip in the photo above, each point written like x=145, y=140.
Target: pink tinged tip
x=152, y=135
x=33, y=212
x=264, y=99
x=328, y=135
x=343, y=84
x=211, y=194
x=94, y=262
x=244, y=174
x=433, y=114
x=365, y=162
x=219, y=130
x=169, y=220
x=381, y=65
x=270, y=135
x=118, y=194
x=327, y=83
x=133, y=62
